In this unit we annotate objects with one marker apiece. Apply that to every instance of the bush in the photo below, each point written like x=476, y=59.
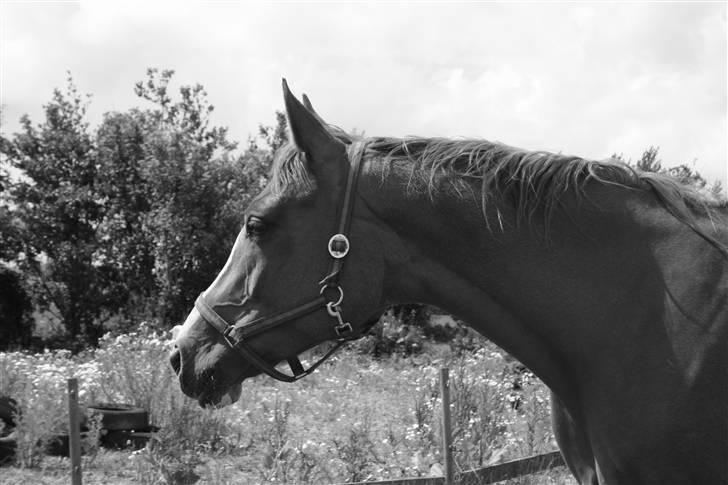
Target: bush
x=408, y=330
x=16, y=328
x=357, y=418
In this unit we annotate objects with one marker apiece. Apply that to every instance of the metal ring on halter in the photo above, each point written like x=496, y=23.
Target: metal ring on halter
x=341, y=295
x=335, y=252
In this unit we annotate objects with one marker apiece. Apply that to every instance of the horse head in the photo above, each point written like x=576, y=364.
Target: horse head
x=306, y=268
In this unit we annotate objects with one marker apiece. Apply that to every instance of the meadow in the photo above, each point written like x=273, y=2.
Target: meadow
x=358, y=418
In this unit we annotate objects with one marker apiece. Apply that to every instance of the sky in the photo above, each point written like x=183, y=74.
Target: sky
x=587, y=79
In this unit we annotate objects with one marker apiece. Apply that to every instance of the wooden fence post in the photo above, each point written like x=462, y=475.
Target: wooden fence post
x=74, y=432
x=446, y=429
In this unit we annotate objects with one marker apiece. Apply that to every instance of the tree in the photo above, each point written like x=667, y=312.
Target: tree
x=686, y=174
x=15, y=308
x=58, y=211
x=10, y=227
x=124, y=189
x=133, y=220
x=190, y=179
x=175, y=194
x=649, y=162
x=8, y=224
x=273, y=136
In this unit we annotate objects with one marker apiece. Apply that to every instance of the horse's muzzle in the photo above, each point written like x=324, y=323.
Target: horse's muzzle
x=209, y=385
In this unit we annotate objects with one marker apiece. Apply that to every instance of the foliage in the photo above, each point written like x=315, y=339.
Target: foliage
x=128, y=221
x=15, y=308
x=59, y=213
x=177, y=212
x=649, y=162
x=10, y=227
x=357, y=418
x=409, y=329
x=171, y=225
x=273, y=137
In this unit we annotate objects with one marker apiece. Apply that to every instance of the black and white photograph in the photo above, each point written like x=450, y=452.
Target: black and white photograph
x=363, y=242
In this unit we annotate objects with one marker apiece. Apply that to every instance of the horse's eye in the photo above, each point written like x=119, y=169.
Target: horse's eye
x=254, y=226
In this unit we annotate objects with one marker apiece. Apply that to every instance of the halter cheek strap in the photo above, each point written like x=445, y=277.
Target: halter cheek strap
x=330, y=297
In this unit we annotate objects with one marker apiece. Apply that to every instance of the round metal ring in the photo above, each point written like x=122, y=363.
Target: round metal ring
x=341, y=295
x=338, y=252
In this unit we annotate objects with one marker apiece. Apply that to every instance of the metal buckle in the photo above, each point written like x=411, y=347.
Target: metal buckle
x=342, y=327
x=338, y=252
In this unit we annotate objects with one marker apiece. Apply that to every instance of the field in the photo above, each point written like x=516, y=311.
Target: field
x=358, y=418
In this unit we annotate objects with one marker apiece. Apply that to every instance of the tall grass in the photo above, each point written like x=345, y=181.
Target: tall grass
x=358, y=418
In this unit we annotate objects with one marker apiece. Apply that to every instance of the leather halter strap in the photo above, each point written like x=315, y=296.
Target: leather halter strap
x=330, y=297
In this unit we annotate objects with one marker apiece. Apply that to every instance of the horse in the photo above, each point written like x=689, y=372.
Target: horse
x=609, y=283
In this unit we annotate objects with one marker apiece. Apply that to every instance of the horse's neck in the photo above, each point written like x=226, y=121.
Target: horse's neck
x=443, y=254
x=595, y=281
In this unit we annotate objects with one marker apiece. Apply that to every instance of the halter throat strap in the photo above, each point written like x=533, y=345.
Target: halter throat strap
x=330, y=298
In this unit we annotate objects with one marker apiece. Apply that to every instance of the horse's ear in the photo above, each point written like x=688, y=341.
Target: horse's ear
x=309, y=106
x=309, y=132
x=307, y=103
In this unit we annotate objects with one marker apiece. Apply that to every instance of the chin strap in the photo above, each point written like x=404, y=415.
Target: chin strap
x=330, y=298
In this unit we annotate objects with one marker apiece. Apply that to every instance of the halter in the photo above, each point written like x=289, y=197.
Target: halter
x=331, y=296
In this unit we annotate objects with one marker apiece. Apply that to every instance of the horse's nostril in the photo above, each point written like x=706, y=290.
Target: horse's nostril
x=176, y=360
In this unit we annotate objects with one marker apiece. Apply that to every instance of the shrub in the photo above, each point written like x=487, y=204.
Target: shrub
x=357, y=418
x=16, y=327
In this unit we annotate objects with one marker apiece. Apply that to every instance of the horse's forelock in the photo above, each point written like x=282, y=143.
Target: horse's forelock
x=289, y=171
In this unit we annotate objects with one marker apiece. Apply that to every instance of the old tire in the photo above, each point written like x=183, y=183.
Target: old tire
x=125, y=439
x=119, y=416
x=7, y=450
x=8, y=410
x=59, y=445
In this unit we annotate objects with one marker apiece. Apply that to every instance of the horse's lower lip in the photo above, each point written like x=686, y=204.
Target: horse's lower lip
x=210, y=399
x=217, y=399
x=205, y=396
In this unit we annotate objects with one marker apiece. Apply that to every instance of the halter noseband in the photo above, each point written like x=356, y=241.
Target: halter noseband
x=330, y=297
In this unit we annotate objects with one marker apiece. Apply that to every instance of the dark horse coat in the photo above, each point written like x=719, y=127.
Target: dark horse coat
x=610, y=284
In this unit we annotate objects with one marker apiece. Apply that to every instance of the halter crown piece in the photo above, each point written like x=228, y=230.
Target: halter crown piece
x=330, y=297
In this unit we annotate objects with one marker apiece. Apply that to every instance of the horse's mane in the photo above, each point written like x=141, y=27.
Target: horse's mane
x=530, y=178
x=535, y=181
x=531, y=181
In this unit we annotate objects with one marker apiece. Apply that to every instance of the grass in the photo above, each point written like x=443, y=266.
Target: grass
x=357, y=419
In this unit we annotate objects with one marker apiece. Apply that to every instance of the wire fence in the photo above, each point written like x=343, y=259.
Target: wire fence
x=490, y=474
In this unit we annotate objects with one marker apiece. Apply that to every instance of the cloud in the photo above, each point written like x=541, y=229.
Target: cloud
x=588, y=79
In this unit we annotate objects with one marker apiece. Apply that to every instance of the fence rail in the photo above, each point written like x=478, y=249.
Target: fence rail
x=512, y=469
x=489, y=474
x=478, y=476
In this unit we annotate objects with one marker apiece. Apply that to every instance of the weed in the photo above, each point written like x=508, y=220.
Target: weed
x=357, y=418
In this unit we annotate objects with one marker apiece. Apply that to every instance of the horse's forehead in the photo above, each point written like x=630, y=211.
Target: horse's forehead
x=265, y=201
x=286, y=189
x=274, y=203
